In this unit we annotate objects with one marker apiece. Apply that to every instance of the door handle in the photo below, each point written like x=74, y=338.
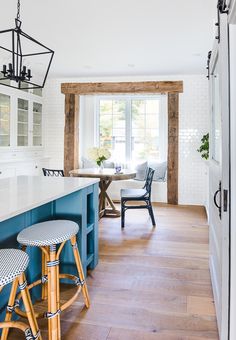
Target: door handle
x=218, y=205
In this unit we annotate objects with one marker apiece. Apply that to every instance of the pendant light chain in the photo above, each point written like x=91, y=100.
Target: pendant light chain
x=18, y=10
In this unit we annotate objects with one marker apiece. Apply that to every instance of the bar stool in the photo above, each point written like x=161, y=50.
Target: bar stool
x=50, y=237
x=13, y=263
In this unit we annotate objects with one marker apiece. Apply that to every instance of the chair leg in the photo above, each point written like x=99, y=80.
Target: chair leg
x=10, y=307
x=29, y=307
x=53, y=314
x=122, y=215
x=80, y=271
x=150, y=210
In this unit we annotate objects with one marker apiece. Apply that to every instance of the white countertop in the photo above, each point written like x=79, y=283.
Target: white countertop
x=22, y=193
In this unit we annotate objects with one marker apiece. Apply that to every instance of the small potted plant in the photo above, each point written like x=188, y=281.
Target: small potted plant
x=204, y=147
x=99, y=155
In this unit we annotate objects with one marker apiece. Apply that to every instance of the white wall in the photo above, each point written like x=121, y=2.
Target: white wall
x=193, y=121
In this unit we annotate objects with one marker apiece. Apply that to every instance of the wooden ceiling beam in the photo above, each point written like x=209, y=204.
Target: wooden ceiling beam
x=145, y=87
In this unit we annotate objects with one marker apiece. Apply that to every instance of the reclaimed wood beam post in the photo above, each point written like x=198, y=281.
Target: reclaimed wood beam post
x=71, y=133
x=173, y=148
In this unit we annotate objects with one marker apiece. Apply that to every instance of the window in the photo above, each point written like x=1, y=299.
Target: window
x=133, y=128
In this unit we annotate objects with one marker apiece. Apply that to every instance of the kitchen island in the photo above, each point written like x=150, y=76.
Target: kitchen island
x=25, y=200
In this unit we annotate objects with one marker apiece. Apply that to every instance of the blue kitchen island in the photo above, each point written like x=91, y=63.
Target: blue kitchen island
x=26, y=200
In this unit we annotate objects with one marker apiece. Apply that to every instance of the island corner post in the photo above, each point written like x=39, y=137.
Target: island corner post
x=72, y=91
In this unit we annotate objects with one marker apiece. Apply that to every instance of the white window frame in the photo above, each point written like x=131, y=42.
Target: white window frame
x=163, y=121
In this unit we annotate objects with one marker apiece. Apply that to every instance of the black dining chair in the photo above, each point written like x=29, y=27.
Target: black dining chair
x=137, y=195
x=51, y=172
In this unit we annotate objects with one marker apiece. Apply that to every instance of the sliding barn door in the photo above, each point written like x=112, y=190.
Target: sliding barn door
x=219, y=177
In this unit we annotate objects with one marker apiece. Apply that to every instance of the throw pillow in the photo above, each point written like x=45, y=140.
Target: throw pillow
x=141, y=171
x=160, y=171
x=109, y=165
x=88, y=164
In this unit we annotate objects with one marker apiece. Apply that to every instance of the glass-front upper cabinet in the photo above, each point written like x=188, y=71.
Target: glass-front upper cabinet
x=21, y=119
x=4, y=120
x=37, y=124
x=22, y=122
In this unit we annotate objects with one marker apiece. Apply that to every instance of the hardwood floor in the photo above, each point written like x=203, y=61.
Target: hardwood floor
x=150, y=284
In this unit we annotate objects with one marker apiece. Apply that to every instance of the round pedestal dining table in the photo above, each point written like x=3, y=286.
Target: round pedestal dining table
x=106, y=176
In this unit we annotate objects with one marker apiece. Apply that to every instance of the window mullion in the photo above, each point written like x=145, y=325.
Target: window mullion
x=128, y=132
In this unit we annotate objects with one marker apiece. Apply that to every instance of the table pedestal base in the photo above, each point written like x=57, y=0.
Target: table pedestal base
x=106, y=205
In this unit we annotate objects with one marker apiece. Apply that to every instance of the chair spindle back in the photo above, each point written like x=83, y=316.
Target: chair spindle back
x=51, y=172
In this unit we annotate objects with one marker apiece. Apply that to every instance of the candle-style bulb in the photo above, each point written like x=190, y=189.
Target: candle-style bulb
x=29, y=74
x=4, y=69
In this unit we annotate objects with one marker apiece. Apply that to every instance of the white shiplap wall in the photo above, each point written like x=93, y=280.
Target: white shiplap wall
x=194, y=122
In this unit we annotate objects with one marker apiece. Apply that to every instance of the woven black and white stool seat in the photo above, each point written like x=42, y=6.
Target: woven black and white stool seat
x=48, y=233
x=13, y=262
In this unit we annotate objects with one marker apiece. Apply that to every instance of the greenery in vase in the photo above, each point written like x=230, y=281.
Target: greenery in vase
x=204, y=147
x=99, y=155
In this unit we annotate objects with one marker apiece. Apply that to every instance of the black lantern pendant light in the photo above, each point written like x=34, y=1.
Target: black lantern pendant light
x=23, y=60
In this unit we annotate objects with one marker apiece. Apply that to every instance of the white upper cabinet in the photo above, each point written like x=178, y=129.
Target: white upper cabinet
x=21, y=118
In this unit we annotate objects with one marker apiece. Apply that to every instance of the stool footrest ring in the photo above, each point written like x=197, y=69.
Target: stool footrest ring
x=42, y=315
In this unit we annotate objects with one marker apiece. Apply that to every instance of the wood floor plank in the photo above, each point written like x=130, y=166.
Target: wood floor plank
x=156, y=261
x=138, y=270
x=200, y=305
x=126, y=334
x=137, y=318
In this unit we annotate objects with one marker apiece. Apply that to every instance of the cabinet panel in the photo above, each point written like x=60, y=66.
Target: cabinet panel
x=37, y=124
x=22, y=122
x=4, y=120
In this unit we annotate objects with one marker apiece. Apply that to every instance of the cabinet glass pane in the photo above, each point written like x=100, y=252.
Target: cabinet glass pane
x=4, y=120
x=22, y=122
x=37, y=124
x=4, y=81
x=25, y=86
x=38, y=92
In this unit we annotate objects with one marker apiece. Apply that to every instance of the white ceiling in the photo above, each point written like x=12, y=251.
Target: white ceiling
x=123, y=37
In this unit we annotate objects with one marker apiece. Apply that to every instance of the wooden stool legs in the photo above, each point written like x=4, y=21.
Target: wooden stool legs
x=44, y=294
x=53, y=314
x=28, y=309
x=10, y=307
x=50, y=268
x=80, y=271
x=28, y=306
x=51, y=286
